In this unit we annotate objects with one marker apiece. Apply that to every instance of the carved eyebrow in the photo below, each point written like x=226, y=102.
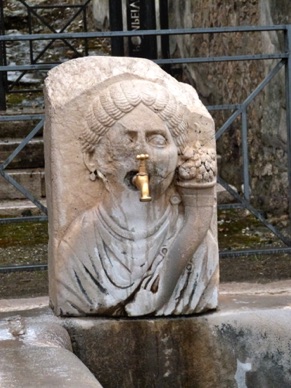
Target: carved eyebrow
x=157, y=131
x=162, y=130
x=153, y=130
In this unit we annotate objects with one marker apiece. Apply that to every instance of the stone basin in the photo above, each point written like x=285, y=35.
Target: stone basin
x=245, y=343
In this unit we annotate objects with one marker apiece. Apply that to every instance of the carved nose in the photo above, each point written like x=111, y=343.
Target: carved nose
x=141, y=145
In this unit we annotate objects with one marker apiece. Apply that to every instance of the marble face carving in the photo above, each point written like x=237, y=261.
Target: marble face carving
x=131, y=173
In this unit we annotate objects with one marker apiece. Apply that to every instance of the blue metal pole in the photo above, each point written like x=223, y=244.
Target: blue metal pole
x=3, y=74
x=288, y=109
x=246, y=178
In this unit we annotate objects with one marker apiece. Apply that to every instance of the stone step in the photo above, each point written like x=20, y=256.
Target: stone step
x=17, y=129
x=30, y=157
x=19, y=208
x=33, y=180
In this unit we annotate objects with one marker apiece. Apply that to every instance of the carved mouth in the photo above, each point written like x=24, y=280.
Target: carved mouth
x=128, y=180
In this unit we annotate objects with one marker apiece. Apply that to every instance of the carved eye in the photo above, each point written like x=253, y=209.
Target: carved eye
x=128, y=139
x=157, y=140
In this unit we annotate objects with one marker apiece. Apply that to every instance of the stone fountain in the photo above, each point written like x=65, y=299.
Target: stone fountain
x=131, y=172
x=133, y=254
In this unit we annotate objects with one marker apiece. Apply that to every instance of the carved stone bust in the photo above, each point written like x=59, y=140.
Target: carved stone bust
x=131, y=173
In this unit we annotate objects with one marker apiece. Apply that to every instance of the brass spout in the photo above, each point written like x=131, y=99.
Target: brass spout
x=141, y=179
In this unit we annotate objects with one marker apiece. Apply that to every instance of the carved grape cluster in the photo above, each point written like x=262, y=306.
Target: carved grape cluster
x=199, y=164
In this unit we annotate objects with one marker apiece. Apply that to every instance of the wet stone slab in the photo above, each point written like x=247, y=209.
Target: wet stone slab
x=245, y=343
x=37, y=353
x=42, y=367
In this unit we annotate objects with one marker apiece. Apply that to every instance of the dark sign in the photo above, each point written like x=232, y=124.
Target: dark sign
x=133, y=24
x=141, y=15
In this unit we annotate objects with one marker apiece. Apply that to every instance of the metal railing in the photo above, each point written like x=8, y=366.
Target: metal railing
x=35, y=18
x=283, y=61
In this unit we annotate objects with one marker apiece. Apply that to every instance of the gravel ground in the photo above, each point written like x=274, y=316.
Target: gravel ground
x=26, y=243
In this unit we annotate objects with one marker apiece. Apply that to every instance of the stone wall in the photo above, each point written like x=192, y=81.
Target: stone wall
x=232, y=82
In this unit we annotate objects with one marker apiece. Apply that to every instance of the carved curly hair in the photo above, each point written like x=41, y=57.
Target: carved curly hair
x=121, y=98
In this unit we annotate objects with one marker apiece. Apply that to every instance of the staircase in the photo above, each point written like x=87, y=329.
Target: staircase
x=27, y=168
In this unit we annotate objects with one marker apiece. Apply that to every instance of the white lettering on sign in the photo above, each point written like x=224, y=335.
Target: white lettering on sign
x=134, y=23
x=134, y=15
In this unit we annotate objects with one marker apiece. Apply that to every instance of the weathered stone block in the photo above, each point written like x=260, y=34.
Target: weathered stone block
x=230, y=348
x=35, y=353
x=43, y=367
x=247, y=343
x=131, y=178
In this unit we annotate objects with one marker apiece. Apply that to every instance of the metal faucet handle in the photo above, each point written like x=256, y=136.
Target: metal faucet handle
x=142, y=156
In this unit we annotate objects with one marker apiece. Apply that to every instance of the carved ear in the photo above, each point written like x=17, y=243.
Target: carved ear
x=90, y=161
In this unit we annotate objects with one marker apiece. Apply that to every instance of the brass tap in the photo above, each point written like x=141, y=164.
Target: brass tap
x=141, y=179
